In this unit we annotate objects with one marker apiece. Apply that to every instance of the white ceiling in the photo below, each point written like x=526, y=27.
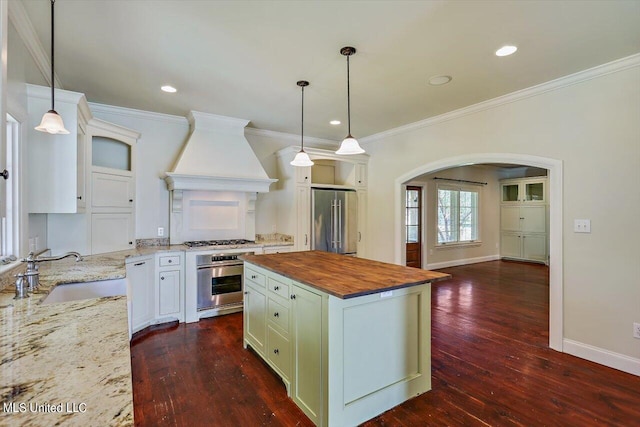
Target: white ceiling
x=243, y=58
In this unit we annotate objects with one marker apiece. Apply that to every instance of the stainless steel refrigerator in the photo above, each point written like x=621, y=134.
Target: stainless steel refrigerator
x=334, y=215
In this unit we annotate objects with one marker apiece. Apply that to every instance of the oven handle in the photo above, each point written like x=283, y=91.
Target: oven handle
x=222, y=264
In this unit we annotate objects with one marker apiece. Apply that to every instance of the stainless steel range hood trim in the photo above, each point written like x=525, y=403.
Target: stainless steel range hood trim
x=217, y=183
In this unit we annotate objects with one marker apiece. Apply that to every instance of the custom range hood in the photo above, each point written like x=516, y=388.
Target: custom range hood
x=217, y=157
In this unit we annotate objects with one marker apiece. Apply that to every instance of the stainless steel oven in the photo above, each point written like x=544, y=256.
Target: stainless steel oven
x=219, y=280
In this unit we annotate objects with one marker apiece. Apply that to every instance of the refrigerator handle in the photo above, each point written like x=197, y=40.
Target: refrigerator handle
x=339, y=228
x=333, y=224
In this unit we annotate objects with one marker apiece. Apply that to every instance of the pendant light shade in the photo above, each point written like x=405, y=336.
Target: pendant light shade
x=302, y=158
x=349, y=144
x=51, y=121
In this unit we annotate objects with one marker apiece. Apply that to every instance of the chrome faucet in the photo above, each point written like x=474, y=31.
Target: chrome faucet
x=32, y=274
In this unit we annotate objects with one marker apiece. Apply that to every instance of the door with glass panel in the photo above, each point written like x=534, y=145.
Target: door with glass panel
x=413, y=224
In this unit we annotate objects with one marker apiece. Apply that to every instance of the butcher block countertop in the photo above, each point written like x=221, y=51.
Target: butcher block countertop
x=343, y=276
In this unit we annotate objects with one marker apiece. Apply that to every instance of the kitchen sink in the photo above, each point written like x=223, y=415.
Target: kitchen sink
x=86, y=290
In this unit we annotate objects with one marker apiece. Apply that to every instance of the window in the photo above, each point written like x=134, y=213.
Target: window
x=457, y=215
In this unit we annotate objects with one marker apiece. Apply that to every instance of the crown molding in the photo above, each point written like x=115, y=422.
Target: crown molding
x=572, y=79
x=290, y=137
x=139, y=114
x=27, y=32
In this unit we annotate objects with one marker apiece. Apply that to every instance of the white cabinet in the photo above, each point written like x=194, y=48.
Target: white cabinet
x=111, y=191
x=293, y=194
x=524, y=190
x=111, y=149
x=56, y=163
x=111, y=232
x=277, y=249
x=140, y=272
x=302, y=237
x=523, y=219
x=169, y=286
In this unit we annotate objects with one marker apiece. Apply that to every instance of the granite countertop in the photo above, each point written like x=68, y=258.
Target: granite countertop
x=343, y=276
x=69, y=363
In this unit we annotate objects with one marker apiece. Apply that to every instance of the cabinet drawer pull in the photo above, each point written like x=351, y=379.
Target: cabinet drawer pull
x=275, y=288
x=293, y=296
x=276, y=314
x=276, y=351
x=138, y=264
x=254, y=277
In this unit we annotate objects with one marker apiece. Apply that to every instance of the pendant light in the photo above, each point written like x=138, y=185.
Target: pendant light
x=51, y=121
x=349, y=144
x=302, y=158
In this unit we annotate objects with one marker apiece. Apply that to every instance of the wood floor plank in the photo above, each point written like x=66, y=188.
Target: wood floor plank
x=491, y=366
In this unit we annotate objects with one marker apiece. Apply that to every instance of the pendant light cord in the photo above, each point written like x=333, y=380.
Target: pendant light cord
x=348, y=100
x=302, y=123
x=52, y=56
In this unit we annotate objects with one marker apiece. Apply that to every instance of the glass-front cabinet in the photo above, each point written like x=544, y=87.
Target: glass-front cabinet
x=524, y=190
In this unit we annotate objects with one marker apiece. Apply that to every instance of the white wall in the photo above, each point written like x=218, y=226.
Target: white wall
x=487, y=249
x=593, y=127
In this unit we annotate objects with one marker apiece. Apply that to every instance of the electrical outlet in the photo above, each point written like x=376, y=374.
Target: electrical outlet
x=582, y=226
x=160, y=231
x=636, y=330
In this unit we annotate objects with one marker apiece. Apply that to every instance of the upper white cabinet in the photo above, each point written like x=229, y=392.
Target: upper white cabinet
x=293, y=192
x=56, y=164
x=111, y=149
x=524, y=190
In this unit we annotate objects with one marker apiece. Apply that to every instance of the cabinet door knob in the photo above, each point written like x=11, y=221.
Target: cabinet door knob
x=293, y=296
x=170, y=261
x=131, y=200
x=79, y=197
x=161, y=277
x=276, y=351
x=275, y=288
x=246, y=292
x=276, y=314
x=131, y=243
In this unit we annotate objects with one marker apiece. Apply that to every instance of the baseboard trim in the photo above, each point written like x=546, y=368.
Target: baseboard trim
x=601, y=356
x=458, y=262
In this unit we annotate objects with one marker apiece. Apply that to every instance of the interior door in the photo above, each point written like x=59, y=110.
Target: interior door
x=413, y=224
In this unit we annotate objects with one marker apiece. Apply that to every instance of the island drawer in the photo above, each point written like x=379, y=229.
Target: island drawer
x=169, y=260
x=278, y=314
x=255, y=276
x=279, y=352
x=279, y=286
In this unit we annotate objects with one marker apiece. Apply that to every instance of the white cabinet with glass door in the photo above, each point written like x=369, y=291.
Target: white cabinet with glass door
x=112, y=196
x=523, y=219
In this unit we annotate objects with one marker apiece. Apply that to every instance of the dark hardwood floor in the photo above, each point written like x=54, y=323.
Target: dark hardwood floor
x=491, y=366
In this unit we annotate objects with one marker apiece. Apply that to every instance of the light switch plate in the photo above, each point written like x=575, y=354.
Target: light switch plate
x=582, y=226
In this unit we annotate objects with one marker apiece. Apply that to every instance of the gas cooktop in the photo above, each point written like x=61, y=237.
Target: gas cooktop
x=231, y=242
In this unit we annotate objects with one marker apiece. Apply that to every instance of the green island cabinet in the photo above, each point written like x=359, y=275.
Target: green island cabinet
x=343, y=359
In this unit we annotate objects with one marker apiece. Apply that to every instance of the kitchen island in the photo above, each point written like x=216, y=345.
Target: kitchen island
x=349, y=337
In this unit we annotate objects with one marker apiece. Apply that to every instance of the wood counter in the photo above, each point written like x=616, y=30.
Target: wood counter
x=343, y=276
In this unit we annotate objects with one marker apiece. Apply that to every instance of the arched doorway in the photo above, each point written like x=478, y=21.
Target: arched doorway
x=555, y=220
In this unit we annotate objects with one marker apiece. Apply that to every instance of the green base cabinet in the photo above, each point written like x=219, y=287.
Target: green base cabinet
x=349, y=359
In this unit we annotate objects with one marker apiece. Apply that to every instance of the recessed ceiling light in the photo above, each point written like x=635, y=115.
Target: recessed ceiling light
x=439, y=80
x=334, y=122
x=169, y=89
x=506, y=50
